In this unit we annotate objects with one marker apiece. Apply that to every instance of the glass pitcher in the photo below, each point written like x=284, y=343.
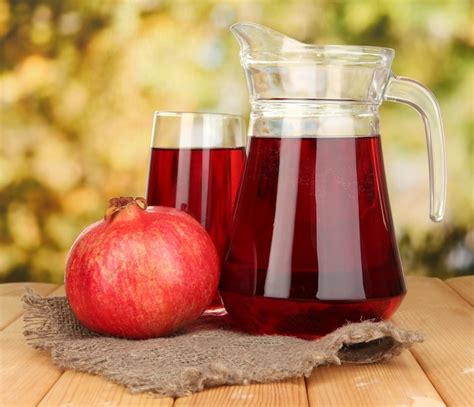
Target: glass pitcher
x=313, y=244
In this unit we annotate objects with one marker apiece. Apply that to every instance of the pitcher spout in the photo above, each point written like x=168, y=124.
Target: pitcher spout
x=257, y=38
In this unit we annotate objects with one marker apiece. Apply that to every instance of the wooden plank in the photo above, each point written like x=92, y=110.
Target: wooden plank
x=26, y=374
x=60, y=291
x=288, y=393
x=448, y=324
x=398, y=382
x=464, y=286
x=84, y=389
x=10, y=304
x=17, y=289
x=430, y=306
x=81, y=389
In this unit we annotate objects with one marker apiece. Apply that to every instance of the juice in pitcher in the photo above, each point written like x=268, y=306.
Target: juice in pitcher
x=313, y=245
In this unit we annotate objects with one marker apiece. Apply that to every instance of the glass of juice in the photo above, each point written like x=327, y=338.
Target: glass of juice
x=196, y=163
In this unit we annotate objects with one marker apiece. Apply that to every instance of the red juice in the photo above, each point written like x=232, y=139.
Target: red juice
x=202, y=182
x=313, y=244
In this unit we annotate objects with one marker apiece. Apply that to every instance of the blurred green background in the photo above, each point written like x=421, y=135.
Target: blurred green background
x=80, y=79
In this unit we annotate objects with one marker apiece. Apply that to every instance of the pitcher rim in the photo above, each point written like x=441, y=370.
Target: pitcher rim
x=339, y=53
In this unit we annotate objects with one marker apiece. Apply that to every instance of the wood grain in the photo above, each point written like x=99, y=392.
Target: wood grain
x=447, y=321
x=440, y=369
x=58, y=292
x=26, y=374
x=464, y=286
x=82, y=389
x=398, y=382
x=288, y=393
x=10, y=293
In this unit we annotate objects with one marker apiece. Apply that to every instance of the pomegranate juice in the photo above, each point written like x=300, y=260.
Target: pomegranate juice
x=313, y=244
x=201, y=182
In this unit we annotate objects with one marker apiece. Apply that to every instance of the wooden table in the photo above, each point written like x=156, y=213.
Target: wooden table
x=435, y=373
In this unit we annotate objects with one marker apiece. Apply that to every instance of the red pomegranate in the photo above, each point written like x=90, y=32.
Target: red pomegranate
x=141, y=272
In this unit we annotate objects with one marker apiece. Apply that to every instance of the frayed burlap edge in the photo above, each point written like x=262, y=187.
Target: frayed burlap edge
x=208, y=353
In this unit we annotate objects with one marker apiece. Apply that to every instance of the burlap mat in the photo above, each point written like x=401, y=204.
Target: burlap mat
x=208, y=353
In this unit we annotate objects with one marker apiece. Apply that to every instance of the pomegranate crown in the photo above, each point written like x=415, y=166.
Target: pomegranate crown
x=122, y=202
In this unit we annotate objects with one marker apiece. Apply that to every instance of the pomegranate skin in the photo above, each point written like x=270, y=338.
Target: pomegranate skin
x=141, y=273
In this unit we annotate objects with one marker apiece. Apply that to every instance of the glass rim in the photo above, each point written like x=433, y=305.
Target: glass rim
x=171, y=113
x=173, y=129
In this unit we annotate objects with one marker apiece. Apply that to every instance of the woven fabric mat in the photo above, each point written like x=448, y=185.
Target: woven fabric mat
x=207, y=353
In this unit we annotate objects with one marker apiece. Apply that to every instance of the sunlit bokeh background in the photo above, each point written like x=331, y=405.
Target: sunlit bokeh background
x=80, y=79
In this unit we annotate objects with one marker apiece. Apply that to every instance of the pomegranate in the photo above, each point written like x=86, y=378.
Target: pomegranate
x=141, y=272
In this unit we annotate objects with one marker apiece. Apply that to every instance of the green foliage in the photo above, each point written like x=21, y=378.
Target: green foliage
x=80, y=79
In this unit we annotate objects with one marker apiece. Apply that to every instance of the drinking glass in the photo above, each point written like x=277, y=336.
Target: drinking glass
x=196, y=164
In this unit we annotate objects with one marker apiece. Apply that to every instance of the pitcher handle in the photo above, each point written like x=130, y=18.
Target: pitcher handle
x=414, y=94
